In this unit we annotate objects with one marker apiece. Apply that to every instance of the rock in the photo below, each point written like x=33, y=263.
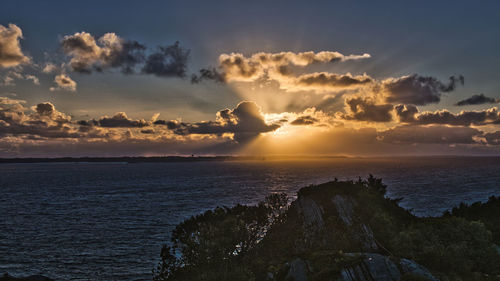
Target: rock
x=370, y=267
x=312, y=221
x=344, y=208
x=297, y=271
x=311, y=212
x=411, y=267
x=7, y=277
x=376, y=267
x=360, y=231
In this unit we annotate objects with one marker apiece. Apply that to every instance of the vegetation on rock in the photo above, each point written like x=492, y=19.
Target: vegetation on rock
x=316, y=235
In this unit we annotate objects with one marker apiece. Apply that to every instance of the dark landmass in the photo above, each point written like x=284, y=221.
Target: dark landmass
x=342, y=231
x=159, y=159
x=128, y=159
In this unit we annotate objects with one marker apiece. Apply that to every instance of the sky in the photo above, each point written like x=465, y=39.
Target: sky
x=157, y=78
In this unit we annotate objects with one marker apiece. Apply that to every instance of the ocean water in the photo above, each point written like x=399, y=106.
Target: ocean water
x=107, y=221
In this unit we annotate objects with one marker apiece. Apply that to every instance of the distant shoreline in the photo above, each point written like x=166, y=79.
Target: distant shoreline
x=167, y=159
x=158, y=159
x=126, y=159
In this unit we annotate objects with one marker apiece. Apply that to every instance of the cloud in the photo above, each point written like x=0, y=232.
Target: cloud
x=10, y=48
x=167, y=61
x=47, y=109
x=304, y=120
x=170, y=124
x=238, y=67
x=50, y=68
x=44, y=131
x=43, y=125
x=113, y=52
x=416, y=89
x=477, y=99
x=365, y=109
x=64, y=82
x=492, y=138
x=320, y=81
x=275, y=66
x=109, y=51
x=410, y=114
x=12, y=75
x=41, y=121
x=119, y=120
x=430, y=134
x=332, y=80
x=246, y=122
x=406, y=112
x=211, y=74
x=33, y=78
x=148, y=131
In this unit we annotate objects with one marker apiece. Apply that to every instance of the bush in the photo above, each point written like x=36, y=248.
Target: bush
x=448, y=245
x=209, y=245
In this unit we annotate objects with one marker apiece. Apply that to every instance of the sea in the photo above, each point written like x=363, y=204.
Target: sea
x=108, y=221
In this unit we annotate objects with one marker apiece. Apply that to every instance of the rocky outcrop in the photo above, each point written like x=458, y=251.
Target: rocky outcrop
x=312, y=215
x=320, y=221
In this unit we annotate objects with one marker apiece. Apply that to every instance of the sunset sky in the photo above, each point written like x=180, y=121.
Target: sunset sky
x=155, y=78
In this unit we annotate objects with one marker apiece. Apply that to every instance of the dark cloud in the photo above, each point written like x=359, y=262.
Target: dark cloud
x=492, y=138
x=365, y=109
x=168, y=61
x=211, y=74
x=119, y=120
x=304, y=120
x=46, y=108
x=418, y=90
x=245, y=122
x=410, y=114
x=127, y=57
x=170, y=124
x=410, y=134
x=10, y=49
x=87, y=123
x=109, y=51
x=406, y=112
x=477, y=99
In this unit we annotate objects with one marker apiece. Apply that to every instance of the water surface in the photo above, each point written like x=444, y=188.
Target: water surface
x=107, y=221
